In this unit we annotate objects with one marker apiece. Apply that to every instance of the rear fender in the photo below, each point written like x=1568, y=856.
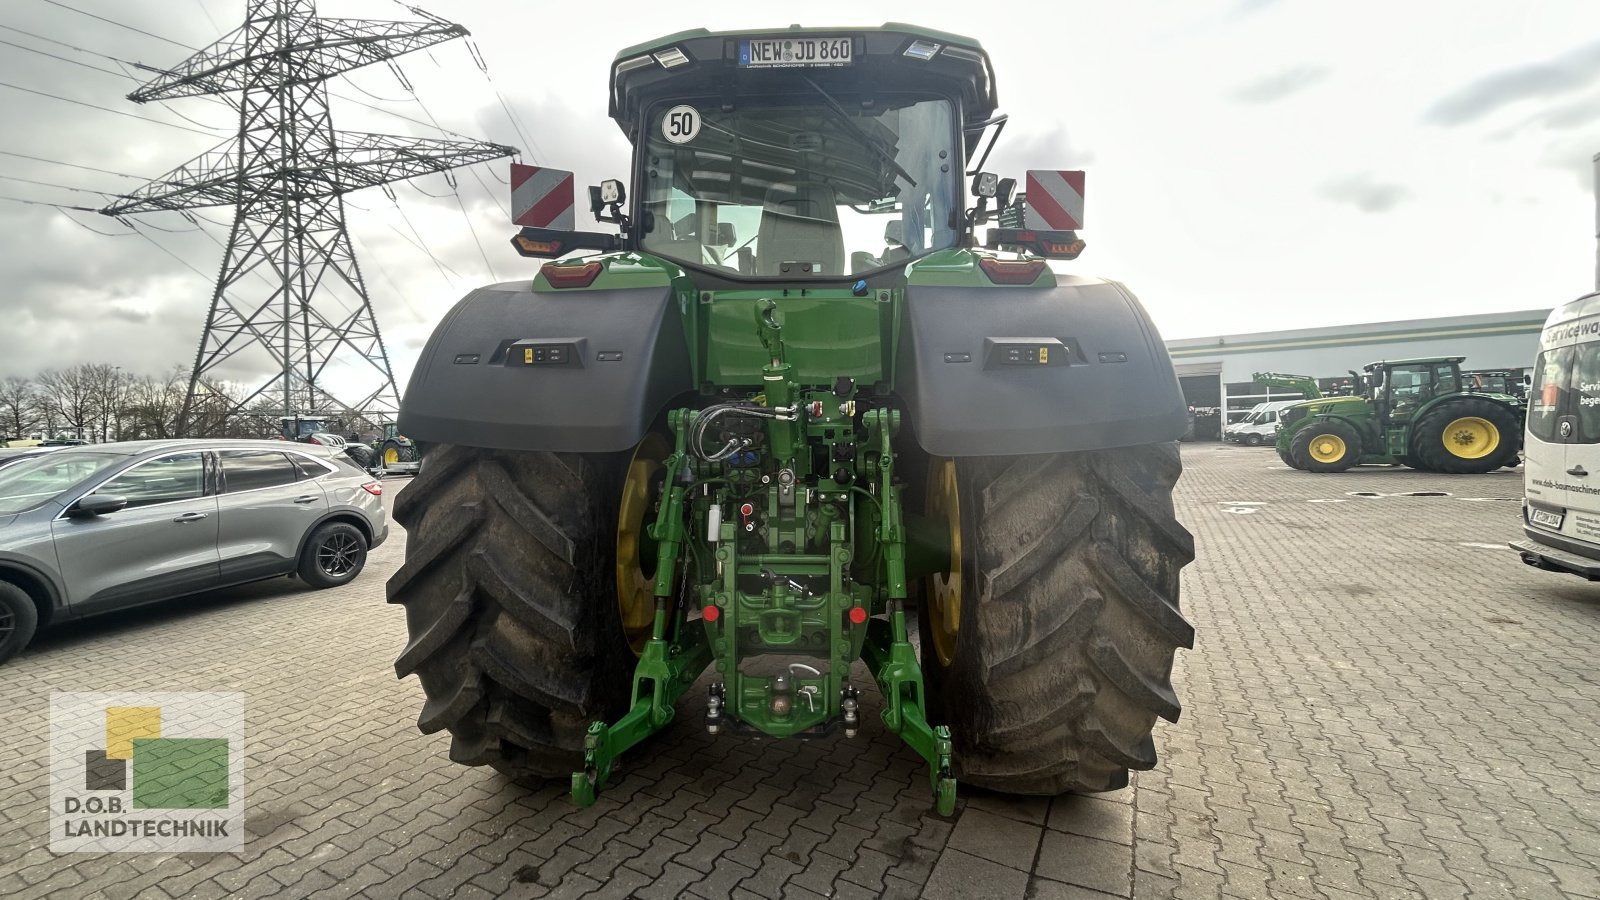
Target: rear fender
x=1106, y=380
x=623, y=358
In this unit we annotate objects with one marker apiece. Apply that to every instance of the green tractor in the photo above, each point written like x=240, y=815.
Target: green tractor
x=394, y=450
x=795, y=412
x=1411, y=412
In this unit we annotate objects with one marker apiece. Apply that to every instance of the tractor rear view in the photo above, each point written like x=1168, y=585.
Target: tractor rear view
x=1413, y=412
x=795, y=408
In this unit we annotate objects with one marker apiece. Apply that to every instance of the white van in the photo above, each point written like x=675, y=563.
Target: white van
x=1561, y=507
x=1260, y=426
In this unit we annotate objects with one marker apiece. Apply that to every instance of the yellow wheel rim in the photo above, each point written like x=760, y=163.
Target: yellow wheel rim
x=944, y=591
x=391, y=455
x=635, y=579
x=1327, y=448
x=1470, y=437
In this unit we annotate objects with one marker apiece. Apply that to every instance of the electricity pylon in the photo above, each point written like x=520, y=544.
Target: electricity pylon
x=286, y=174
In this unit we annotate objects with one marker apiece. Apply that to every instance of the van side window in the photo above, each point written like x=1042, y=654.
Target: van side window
x=1548, y=397
x=1584, y=388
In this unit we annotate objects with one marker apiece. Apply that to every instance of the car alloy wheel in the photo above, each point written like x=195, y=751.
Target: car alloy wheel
x=338, y=555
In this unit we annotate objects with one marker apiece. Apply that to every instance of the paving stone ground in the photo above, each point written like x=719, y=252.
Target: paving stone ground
x=1382, y=702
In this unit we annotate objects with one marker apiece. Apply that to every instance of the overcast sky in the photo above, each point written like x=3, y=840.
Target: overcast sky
x=1252, y=164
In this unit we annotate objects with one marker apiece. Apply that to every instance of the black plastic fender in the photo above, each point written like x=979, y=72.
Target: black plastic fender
x=1106, y=380
x=622, y=358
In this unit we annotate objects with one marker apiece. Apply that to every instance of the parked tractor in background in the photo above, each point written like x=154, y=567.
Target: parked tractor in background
x=1411, y=412
x=796, y=408
x=1495, y=381
x=314, y=430
x=395, y=452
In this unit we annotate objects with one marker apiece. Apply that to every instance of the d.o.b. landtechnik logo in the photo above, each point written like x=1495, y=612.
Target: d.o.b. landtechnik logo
x=158, y=773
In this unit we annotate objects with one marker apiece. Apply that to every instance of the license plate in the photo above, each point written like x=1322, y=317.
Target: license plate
x=1544, y=518
x=796, y=51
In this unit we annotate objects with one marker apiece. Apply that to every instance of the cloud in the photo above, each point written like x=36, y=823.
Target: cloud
x=1571, y=71
x=1567, y=116
x=1278, y=85
x=1364, y=192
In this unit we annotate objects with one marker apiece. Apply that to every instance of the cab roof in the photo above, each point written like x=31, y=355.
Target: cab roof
x=1418, y=361
x=958, y=65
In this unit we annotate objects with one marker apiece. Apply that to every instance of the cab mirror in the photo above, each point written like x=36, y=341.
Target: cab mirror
x=96, y=505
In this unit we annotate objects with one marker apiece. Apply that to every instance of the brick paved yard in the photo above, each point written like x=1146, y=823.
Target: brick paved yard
x=1383, y=702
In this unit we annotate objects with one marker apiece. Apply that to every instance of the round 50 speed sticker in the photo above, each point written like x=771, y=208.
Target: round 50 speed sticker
x=681, y=124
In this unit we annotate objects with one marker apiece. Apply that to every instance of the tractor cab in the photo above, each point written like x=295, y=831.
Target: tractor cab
x=1399, y=388
x=803, y=155
x=808, y=155
x=307, y=430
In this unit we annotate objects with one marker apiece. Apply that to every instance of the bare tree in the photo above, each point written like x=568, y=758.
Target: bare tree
x=154, y=405
x=109, y=387
x=19, y=407
x=71, y=397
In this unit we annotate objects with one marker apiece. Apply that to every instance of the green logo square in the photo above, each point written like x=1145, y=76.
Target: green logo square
x=180, y=773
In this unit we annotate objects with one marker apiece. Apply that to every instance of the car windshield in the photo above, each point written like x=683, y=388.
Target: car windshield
x=799, y=186
x=311, y=426
x=31, y=482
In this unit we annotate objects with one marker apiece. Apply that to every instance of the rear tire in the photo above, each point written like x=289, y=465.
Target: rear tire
x=1326, y=446
x=1439, y=451
x=19, y=619
x=400, y=453
x=360, y=454
x=1069, y=622
x=511, y=606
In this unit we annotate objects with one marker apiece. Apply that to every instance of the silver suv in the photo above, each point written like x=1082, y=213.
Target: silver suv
x=86, y=530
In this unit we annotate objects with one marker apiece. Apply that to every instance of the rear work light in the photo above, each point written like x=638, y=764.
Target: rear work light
x=567, y=275
x=1012, y=271
x=375, y=488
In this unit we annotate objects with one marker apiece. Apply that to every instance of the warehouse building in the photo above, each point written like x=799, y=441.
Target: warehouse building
x=1217, y=373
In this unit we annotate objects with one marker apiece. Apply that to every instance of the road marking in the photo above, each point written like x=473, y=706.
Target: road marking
x=1479, y=546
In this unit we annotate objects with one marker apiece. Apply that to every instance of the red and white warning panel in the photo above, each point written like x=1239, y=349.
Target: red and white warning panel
x=542, y=198
x=1055, y=200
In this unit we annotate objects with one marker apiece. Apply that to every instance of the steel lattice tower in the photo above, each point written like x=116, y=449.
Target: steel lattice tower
x=286, y=174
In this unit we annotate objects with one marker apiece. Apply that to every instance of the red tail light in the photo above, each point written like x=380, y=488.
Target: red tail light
x=1012, y=271
x=375, y=488
x=570, y=276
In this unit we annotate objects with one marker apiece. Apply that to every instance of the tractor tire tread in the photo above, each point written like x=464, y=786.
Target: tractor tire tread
x=1063, y=660
x=512, y=630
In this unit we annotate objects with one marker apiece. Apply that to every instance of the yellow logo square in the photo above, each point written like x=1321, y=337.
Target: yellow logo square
x=124, y=723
